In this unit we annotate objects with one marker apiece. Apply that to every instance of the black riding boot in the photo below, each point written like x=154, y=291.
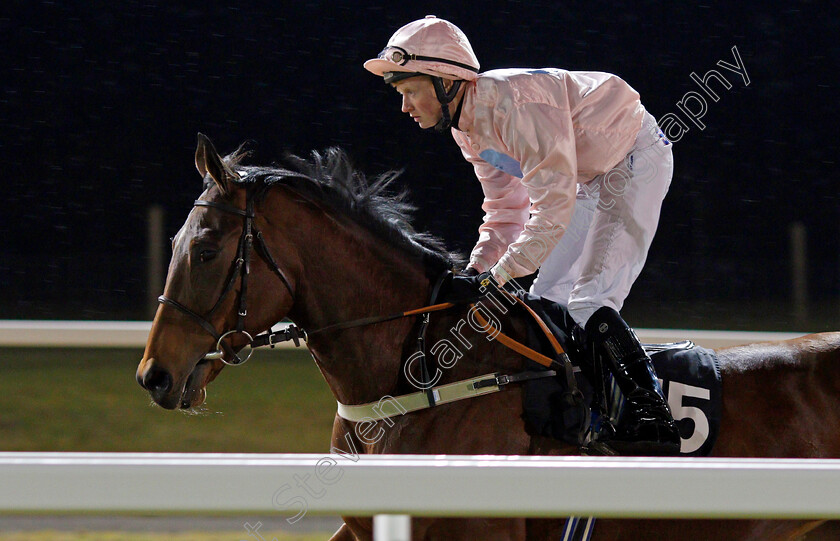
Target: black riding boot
x=646, y=426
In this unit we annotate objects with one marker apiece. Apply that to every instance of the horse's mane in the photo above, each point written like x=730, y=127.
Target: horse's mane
x=329, y=178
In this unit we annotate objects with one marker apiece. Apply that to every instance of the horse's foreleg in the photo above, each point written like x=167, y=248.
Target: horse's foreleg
x=343, y=534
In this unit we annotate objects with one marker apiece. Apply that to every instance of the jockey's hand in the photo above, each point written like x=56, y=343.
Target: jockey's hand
x=465, y=288
x=469, y=271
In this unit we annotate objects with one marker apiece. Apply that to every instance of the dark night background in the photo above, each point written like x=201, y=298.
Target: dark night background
x=100, y=105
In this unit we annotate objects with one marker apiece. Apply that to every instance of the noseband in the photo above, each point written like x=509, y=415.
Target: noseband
x=240, y=269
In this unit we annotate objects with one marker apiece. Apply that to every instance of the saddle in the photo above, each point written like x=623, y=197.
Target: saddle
x=690, y=377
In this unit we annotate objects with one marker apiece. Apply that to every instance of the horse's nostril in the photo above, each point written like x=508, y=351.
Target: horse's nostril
x=157, y=381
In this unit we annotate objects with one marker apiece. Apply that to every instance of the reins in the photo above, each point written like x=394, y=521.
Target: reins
x=381, y=319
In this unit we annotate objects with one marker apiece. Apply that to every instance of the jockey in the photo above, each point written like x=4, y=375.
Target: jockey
x=574, y=171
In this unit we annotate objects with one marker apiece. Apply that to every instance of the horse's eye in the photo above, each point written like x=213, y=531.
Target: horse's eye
x=206, y=255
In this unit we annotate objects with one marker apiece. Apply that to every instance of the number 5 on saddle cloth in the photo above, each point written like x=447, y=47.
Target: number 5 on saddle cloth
x=689, y=374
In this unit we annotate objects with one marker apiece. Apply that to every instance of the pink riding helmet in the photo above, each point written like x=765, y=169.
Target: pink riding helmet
x=430, y=46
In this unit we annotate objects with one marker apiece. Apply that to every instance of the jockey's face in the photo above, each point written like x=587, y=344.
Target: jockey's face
x=419, y=100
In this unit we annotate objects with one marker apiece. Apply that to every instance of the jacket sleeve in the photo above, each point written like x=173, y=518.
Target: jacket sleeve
x=505, y=208
x=542, y=139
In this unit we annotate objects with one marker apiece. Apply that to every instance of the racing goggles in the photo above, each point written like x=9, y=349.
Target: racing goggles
x=400, y=56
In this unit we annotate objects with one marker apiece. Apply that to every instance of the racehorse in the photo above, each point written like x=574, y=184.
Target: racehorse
x=319, y=244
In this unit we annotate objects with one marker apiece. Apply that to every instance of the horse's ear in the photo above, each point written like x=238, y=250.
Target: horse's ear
x=207, y=160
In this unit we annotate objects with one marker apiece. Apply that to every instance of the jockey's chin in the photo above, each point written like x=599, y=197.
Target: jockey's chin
x=425, y=122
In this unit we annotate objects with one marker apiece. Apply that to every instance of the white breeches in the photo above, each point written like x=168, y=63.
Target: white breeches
x=605, y=246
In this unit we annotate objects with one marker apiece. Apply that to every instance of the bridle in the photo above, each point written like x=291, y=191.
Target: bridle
x=250, y=239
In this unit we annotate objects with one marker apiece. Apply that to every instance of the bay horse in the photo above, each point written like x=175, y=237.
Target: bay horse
x=319, y=244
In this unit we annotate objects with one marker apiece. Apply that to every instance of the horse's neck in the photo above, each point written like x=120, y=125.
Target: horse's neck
x=347, y=273
x=351, y=274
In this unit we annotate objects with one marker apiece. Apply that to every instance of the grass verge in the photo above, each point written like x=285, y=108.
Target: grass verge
x=74, y=399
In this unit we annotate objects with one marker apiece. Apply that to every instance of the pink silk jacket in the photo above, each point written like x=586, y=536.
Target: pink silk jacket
x=532, y=137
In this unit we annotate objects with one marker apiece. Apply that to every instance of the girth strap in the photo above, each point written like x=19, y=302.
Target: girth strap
x=444, y=394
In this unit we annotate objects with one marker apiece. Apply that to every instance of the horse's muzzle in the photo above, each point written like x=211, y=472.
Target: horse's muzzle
x=158, y=382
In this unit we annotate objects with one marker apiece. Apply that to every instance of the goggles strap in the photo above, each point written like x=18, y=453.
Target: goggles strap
x=400, y=56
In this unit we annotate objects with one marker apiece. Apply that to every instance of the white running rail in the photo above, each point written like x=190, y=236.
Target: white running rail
x=420, y=485
x=33, y=333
